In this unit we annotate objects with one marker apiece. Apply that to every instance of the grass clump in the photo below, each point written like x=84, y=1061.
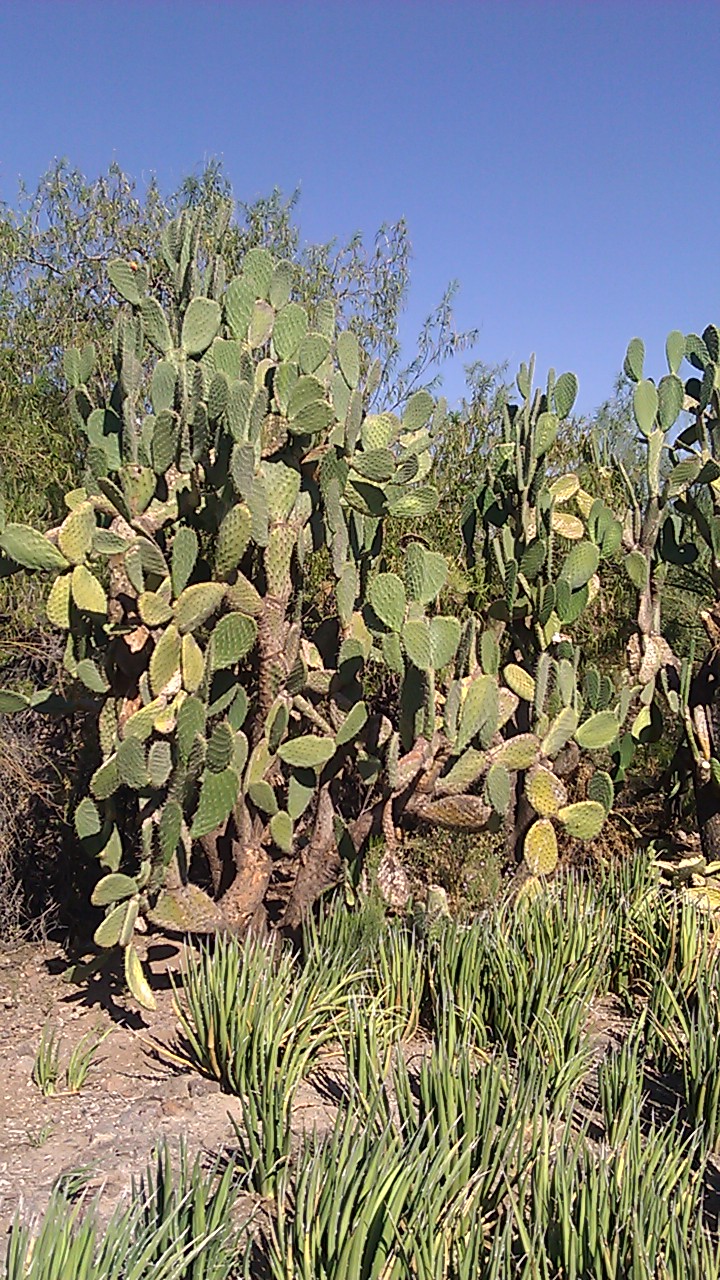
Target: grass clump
x=482, y=1130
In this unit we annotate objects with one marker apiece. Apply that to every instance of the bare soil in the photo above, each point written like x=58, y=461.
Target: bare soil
x=131, y=1100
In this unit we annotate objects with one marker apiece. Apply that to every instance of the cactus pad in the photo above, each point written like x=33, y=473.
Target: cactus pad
x=200, y=325
x=461, y=813
x=540, y=848
x=471, y=765
x=479, y=713
x=498, y=788
x=580, y=564
x=348, y=353
x=520, y=681
x=165, y=661
x=598, y=732
x=568, y=526
x=57, y=606
x=233, y=638
x=154, y=609
x=289, y=330
x=584, y=820
x=560, y=732
x=75, y=536
x=232, y=539
x=193, y=664
x=545, y=791
x=220, y=747
x=137, y=982
x=87, y=592
x=387, y=597
x=218, y=794
x=184, y=556
x=30, y=549
x=519, y=752
x=602, y=790
x=425, y=573
x=307, y=751
x=281, y=830
x=196, y=604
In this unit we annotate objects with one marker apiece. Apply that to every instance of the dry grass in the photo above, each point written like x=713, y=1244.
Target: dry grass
x=468, y=866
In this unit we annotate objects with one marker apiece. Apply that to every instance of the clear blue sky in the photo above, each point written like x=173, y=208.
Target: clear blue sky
x=559, y=159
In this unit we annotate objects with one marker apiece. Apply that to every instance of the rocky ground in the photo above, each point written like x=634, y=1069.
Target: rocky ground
x=132, y=1098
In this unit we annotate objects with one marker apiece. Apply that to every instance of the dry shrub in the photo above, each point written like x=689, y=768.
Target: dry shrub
x=38, y=769
x=467, y=865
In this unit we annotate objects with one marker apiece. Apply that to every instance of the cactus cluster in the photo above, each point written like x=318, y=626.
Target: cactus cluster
x=234, y=445
x=547, y=538
x=675, y=525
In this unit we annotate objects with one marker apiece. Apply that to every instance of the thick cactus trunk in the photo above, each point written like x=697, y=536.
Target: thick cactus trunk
x=705, y=712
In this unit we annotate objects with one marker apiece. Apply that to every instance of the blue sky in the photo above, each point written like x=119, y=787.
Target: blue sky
x=559, y=159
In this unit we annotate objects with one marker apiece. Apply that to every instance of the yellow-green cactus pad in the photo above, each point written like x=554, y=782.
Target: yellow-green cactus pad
x=541, y=851
x=545, y=792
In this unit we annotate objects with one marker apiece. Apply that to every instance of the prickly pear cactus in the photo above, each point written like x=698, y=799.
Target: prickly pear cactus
x=234, y=445
x=675, y=526
x=523, y=708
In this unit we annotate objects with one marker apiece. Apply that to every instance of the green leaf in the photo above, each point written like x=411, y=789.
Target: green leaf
x=11, y=702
